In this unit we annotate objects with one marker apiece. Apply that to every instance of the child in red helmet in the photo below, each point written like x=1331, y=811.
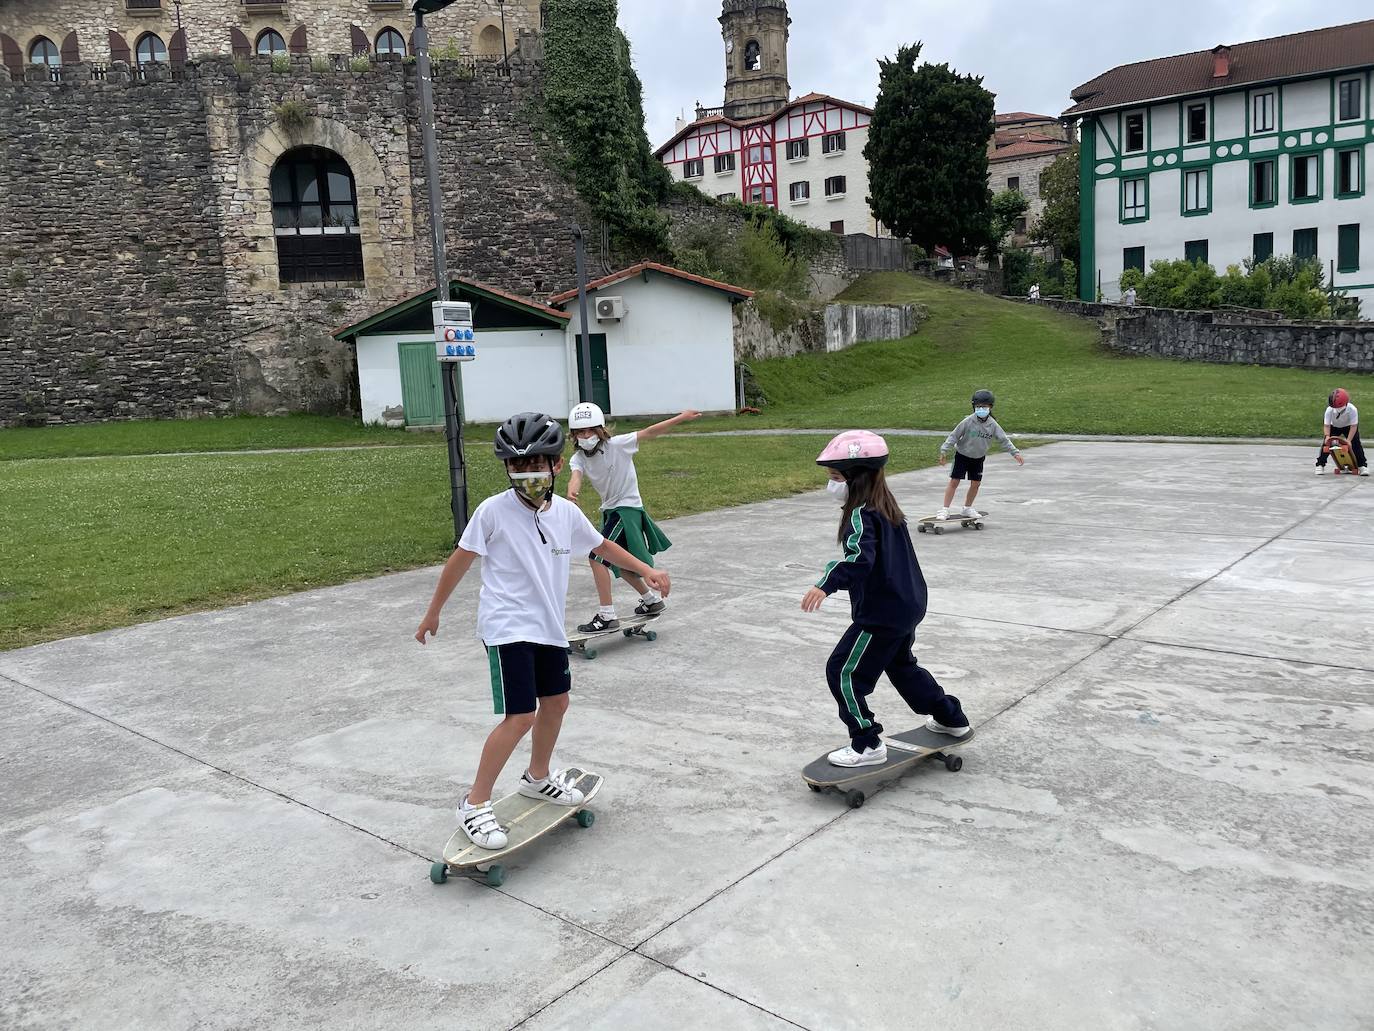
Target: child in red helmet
x=887, y=599
x=1342, y=419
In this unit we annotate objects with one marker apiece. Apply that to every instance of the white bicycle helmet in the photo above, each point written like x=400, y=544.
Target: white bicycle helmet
x=586, y=416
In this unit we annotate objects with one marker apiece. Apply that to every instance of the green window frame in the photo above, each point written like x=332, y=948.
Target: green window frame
x=1133, y=257
x=1138, y=187
x=1144, y=132
x=1196, y=122
x=1314, y=179
x=1258, y=176
x=1349, y=99
x=1348, y=248
x=1352, y=157
x=1197, y=191
x=1195, y=250
x=1262, y=247
x=1305, y=243
x=1263, y=106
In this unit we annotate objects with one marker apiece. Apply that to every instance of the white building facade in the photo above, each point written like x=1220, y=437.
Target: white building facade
x=1245, y=151
x=805, y=160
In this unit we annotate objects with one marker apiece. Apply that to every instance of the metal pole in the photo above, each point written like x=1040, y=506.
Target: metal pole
x=505, y=47
x=452, y=380
x=585, y=381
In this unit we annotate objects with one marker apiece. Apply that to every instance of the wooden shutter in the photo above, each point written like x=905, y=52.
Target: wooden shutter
x=176, y=50
x=360, y=43
x=71, y=53
x=238, y=43
x=12, y=56
x=297, y=43
x=119, y=50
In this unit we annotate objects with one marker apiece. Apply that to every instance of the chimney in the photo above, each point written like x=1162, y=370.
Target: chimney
x=1221, y=62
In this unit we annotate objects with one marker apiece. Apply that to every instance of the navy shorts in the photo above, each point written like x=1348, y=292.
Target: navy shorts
x=965, y=466
x=522, y=673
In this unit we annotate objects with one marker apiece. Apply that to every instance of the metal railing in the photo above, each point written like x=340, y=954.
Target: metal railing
x=143, y=5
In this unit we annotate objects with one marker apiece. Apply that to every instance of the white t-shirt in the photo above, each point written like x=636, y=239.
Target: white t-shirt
x=612, y=471
x=524, y=579
x=1349, y=416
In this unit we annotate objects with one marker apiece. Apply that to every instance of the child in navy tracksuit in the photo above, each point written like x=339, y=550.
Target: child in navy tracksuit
x=887, y=595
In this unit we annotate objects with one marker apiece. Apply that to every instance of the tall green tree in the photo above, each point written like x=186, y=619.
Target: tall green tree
x=927, y=154
x=1057, y=225
x=1003, y=211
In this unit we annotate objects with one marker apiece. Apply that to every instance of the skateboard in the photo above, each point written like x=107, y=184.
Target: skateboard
x=937, y=526
x=903, y=750
x=1339, y=449
x=525, y=820
x=633, y=626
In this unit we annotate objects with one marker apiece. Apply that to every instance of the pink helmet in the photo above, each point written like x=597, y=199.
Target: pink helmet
x=854, y=449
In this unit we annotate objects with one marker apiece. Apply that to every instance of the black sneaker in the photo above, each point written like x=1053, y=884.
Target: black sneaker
x=598, y=624
x=649, y=608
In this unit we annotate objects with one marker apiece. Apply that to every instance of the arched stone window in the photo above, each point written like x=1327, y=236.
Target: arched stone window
x=315, y=218
x=43, y=51
x=489, y=43
x=270, y=43
x=150, y=49
x=753, y=56
x=389, y=41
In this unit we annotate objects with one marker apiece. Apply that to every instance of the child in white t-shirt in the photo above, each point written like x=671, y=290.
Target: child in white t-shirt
x=609, y=463
x=1342, y=419
x=526, y=536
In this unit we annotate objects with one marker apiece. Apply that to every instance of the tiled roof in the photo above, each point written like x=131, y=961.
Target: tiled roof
x=1282, y=57
x=1027, y=148
x=1022, y=116
x=653, y=266
x=425, y=298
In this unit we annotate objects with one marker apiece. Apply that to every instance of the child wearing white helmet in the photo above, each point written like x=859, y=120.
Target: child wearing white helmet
x=970, y=441
x=887, y=600
x=608, y=462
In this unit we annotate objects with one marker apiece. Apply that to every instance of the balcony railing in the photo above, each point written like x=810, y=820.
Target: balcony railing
x=143, y=5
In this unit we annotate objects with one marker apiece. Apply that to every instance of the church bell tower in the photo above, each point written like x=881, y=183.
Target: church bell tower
x=755, y=34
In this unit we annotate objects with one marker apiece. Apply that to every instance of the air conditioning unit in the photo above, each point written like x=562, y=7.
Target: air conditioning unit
x=610, y=309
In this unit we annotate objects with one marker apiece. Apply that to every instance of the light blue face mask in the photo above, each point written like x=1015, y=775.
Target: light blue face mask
x=982, y=413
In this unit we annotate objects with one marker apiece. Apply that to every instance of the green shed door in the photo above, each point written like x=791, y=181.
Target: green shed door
x=601, y=371
x=422, y=391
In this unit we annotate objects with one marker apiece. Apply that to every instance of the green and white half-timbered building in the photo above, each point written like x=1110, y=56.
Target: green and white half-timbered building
x=1242, y=151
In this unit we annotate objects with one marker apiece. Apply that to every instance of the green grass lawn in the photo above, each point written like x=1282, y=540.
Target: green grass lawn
x=1048, y=370
x=96, y=544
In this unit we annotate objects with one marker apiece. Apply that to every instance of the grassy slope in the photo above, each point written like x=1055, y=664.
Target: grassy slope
x=1047, y=369
x=121, y=540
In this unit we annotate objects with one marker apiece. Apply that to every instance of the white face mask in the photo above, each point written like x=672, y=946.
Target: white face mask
x=589, y=443
x=535, y=487
x=839, y=489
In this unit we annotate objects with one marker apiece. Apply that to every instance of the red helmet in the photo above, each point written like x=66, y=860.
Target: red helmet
x=1338, y=399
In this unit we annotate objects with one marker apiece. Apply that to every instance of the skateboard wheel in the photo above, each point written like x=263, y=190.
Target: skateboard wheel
x=921, y=528
x=651, y=635
x=589, y=653
x=629, y=633
x=585, y=818
x=954, y=763
x=815, y=787
x=854, y=799
x=496, y=875
x=438, y=872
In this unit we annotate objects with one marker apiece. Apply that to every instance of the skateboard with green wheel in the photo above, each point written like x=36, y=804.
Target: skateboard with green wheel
x=937, y=526
x=525, y=820
x=903, y=750
x=631, y=626
x=1339, y=449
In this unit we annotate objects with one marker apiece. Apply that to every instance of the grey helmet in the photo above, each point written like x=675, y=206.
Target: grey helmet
x=529, y=433
x=983, y=397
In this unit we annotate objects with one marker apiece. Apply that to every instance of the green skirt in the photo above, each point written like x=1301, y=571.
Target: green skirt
x=634, y=531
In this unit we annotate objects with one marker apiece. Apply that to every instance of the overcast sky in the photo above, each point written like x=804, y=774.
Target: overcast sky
x=1030, y=54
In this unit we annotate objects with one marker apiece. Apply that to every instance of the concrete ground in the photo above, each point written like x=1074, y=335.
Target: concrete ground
x=226, y=820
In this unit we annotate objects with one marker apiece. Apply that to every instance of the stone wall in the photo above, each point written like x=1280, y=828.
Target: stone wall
x=137, y=250
x=848, y=324
x=1208, y=336
x=833, y=327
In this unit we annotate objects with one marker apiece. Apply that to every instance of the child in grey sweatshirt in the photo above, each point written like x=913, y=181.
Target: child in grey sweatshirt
x=970, y=441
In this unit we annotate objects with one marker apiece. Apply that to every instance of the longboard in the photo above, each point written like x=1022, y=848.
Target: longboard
x=903, y=750
x=1339, y=449
x=525, y=820
x=937, y=526
x=631, y=626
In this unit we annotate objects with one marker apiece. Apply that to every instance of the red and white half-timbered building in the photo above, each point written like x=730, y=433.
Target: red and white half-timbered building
x=806, y=160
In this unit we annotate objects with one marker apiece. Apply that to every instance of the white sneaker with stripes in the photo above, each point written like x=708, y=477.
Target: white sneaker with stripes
x=553, y=788
x=479, y=824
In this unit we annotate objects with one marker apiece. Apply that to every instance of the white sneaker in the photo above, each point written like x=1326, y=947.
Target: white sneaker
x=970, y=512
x=943, y=514
x=552, y=788
x=1364, y=470
x=1320, y=470
x=940, y=728
x=846, y=756
x=479, y=824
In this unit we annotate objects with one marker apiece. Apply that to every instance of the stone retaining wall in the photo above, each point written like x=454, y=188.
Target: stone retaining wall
x=832, y=328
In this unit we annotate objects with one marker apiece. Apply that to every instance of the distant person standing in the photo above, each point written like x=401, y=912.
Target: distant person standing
x=1129, y=297
x=1035, y=292
x=970, y=441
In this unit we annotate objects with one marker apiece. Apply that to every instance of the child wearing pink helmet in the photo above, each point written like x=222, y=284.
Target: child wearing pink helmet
x=887, y=598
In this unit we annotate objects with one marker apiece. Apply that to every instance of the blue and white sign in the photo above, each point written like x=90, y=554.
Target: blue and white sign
x=453, y=335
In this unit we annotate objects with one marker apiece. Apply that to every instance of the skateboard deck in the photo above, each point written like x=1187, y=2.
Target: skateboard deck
x=903, y=750
x=525, y=821
x=1339, y=449
x=632, y=626
x=937, y=526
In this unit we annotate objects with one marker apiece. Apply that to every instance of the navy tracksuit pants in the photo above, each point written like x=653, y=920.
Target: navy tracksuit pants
x=860, y=659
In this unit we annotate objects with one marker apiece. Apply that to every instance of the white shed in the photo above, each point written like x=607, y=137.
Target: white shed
x=661, y=340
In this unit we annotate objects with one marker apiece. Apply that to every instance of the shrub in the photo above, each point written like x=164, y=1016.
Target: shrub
x=292, y=114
